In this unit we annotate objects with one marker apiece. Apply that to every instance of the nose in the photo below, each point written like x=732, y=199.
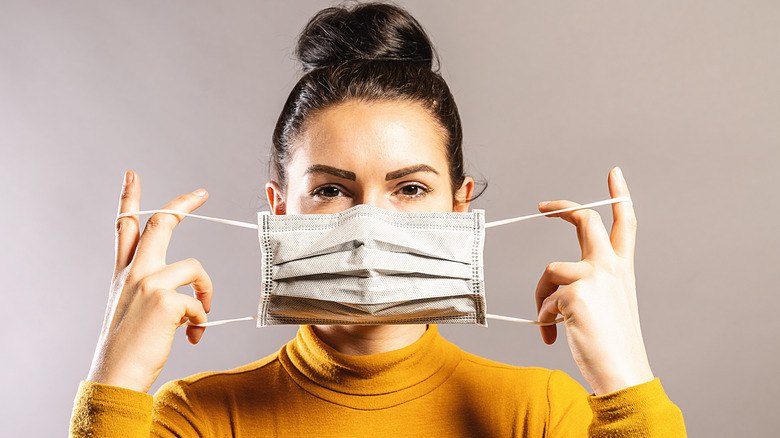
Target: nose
x=374, y=197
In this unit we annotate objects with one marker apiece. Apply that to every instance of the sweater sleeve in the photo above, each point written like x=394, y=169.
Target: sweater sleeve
x=107, y=411
x=103, y=410
x=641, y=410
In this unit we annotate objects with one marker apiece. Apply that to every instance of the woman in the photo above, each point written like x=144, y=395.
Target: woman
x=370, y=122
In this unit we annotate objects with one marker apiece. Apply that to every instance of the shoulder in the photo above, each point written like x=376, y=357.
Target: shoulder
x=532, y=393
x=214, y=386
x=212, y=402
x=531, y=378
x=552, y=387
x=262, y=366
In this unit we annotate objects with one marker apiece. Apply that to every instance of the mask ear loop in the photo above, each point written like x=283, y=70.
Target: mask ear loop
x=579, y=207
x=220, y=322
x=180, y=213
x=521, y=320
x=487, y=225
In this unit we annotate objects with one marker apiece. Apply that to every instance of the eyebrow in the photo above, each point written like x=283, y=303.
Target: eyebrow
x=321, y=168
x=345, y=174
x=400, y=173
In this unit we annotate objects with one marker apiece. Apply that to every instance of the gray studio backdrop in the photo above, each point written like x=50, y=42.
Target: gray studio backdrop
x=683, y=95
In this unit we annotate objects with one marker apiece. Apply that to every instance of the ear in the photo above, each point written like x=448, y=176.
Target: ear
x=463, y=196
x=275, y=198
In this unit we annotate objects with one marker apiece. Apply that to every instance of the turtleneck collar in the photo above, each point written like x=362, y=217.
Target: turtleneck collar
x=374, y=381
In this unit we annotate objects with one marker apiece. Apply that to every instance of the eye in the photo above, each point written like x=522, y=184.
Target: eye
x=328, y=192
x=414, y=190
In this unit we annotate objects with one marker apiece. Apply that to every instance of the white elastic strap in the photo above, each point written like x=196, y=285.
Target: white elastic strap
x=488, y=315
x=579, y=207
x=213, y=219
x=524, y=321
x=220, y=322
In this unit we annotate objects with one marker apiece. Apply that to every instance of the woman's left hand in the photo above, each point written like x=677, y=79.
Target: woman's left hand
x=597, y=296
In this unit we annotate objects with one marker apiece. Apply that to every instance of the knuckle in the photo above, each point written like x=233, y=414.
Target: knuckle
x=165, y=300
x=541, y=304
x=552, y=268
x=157, y=222
x=124, y=222
x=194, y=264
x=591, y=216
x=145, y=285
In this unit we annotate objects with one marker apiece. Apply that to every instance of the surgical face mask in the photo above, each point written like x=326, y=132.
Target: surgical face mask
x=367, y=266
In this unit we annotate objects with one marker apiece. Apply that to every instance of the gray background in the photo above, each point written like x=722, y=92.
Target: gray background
x=683, y=95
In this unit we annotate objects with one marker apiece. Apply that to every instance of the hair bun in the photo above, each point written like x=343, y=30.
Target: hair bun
x=368, y=31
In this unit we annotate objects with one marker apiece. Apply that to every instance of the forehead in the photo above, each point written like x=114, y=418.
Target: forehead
x=357, y=132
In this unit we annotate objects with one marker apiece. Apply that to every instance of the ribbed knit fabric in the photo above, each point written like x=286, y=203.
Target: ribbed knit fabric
x=108, y=411
x=430, y=388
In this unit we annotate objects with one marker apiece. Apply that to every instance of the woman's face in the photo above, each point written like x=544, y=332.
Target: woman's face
x=387, y=154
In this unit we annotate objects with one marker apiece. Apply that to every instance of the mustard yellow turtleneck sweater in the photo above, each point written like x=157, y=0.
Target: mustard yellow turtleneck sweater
x=430, y=388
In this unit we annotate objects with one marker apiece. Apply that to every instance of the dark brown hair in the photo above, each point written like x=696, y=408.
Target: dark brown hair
x=367, y=52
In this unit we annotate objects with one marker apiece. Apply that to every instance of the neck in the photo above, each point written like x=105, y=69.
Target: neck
x=359, y=340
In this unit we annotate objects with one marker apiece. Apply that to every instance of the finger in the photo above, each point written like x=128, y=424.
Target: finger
x=182, y=273
x=559, y=274
x=157, y=233
x=623, y=236
x=127, y=227
x=555, y=275
x=548, y=312
x=591, y=233
x=192, y=311
x=194, y=333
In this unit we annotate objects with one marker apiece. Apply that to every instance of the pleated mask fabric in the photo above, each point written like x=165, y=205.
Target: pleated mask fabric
x=366, y=265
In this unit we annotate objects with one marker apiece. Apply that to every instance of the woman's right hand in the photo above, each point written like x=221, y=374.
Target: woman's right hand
x=144, y=310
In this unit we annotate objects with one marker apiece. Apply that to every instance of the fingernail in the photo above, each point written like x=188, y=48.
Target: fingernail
x=128, y=177
x=619, y=174
x=199, y=192
x=543, y=203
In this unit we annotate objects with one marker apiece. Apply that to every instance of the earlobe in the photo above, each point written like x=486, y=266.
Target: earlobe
x=275, y=198
x=463, y=196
